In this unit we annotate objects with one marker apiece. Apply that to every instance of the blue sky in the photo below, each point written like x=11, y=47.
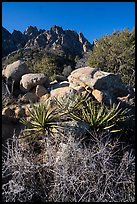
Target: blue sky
x=93, y=19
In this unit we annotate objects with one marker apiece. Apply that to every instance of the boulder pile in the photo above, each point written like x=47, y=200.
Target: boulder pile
x=102, y=86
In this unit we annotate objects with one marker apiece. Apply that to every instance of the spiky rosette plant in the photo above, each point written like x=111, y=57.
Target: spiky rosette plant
x=98, y=116
x=42, y=119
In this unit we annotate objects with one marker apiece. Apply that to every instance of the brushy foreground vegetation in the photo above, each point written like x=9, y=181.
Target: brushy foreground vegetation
x=65, y=167
x=103, y=171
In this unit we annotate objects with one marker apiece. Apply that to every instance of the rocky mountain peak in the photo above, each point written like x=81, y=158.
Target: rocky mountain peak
x=82, y=39
x=31, y=32
x=5, y=33
x=30, y=29
x=54, y=40
x=8, y=44
x=56, y=29
x=15, y=32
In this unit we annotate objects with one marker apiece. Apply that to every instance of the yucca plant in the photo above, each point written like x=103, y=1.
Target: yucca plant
x=42, y=119
x=98, y=116
x=70, y=107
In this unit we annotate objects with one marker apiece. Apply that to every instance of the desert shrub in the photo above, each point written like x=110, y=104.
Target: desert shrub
x=67, y=70
x=23, y=183
x=44, y=61
x=86, y=175
x=50, y=65
x=116, y=53
x=83, y=61
x=67, y=171
x=47, y=66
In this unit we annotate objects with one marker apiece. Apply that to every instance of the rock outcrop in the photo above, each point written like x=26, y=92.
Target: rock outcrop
x=40, y=91
x=56, y=85
x=19, y=39
x=104, y=86
x=63, y=93
x=29, y=81
x=15, y=71
x=31, y=32
x=100, y=86
x=8, y=44
x=29, y=98
x=56, y=40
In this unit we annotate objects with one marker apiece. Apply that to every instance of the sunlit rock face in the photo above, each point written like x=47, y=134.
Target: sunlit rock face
x=56, y=39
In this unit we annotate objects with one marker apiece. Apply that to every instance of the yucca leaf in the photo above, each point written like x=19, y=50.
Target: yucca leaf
x=100, y=111
x=75, y=117
x=114, y=115
x=32, y=129
x=23, y=121
x=106, y=115
x=84, y=112
x=108, y=127
x=113, y=131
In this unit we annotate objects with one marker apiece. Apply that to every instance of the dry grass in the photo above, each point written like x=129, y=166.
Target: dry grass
x=68, y=169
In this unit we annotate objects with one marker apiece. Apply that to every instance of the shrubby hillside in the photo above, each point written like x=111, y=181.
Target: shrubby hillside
x=47, y=51
x=116, y=53
x=112, y=53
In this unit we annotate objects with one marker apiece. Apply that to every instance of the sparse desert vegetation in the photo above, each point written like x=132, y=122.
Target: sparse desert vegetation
x=65, y=166
x=76, y=142
x=68, y=170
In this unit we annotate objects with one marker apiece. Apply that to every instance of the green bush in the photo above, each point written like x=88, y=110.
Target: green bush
x=46, y=65
x=47, y=62
x=116, y=53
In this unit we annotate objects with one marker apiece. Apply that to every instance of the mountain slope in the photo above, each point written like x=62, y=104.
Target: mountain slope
x=55, y=40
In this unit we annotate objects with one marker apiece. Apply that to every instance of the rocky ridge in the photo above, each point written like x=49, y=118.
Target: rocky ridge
x=55, y=39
